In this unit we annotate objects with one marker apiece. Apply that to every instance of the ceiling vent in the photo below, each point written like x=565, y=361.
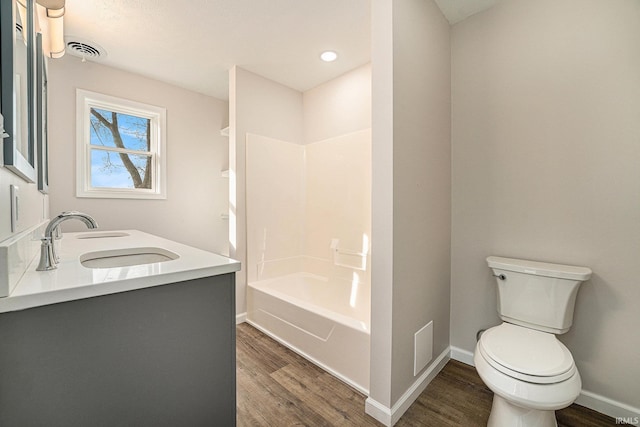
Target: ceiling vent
x=84, y=49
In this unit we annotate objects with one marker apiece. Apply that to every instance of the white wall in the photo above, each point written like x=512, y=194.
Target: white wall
x=381, y=203
x=546, y=166
x=275, y=189
x=299, y=198
x=411, y=189
x=262, y=107
x=196, y=152
x=337, y=123
x=338, y=204
x=339, y=106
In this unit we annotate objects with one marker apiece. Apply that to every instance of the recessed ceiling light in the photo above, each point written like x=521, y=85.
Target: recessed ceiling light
x=328, y=56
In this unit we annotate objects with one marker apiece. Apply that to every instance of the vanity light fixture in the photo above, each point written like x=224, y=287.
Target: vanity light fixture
x=328, y=56
x=51, y=19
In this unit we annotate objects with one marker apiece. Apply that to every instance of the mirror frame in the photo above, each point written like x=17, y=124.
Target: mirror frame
x=42, y=117
x=14, y=160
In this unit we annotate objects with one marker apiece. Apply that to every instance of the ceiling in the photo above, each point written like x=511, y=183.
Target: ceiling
x=458, y=10
x=194, y=43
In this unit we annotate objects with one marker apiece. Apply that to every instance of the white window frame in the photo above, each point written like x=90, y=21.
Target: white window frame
x=85, y=100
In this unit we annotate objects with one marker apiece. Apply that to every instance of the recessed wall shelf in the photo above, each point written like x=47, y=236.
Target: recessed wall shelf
x=225, y=172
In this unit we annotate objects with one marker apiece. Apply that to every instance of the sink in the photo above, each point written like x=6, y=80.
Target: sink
x=101, y=235
x=126, y=257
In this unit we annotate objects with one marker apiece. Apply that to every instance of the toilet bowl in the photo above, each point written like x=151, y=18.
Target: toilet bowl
x=531, y=374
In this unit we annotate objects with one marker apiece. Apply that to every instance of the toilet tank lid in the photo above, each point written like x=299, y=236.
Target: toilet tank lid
x=540, y=268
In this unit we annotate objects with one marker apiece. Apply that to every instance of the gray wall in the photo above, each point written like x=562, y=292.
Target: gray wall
x=411, y=189
x=196, y=153
x=421, y=182
x=546, y=166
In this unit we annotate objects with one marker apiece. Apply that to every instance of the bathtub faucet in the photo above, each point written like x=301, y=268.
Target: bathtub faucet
x=48, y=258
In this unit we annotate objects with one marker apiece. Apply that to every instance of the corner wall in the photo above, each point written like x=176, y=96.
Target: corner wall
x=546, y=166
x=411, y=198
x=309, y=207
x=421, y=181
x=339, y=106
x=196, y=152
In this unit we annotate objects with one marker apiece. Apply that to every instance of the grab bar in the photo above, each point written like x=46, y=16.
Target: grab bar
x=334, y=247
x=341, y=257
x=348, y=252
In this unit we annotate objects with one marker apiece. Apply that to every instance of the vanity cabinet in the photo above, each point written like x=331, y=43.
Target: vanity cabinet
x=157, y=356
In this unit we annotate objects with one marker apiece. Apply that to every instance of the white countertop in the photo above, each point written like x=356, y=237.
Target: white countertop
x=72, y=281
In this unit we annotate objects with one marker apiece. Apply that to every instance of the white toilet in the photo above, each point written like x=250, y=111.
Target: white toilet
x=531, y=373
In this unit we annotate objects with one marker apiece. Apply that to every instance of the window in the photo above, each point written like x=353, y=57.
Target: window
x=120, y=148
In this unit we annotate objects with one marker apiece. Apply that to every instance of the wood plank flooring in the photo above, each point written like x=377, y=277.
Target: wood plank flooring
x=278, y=388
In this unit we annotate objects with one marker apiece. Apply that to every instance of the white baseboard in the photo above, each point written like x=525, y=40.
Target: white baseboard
x=378, y=411
x=607, y=406
x=462, y=355
x=390, y=416
x=587, y=399
x=241, y=318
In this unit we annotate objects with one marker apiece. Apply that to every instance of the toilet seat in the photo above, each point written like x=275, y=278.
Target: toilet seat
x=526, y=354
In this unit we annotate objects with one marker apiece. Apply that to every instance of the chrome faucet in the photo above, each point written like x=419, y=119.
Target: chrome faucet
x=48, y=258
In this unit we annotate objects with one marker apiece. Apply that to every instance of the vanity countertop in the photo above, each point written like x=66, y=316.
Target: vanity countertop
x=73, y=281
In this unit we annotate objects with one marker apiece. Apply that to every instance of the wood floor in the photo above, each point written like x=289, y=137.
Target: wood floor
x=276, y=387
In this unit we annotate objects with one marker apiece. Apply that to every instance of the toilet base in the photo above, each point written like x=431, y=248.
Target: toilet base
x=504, y=413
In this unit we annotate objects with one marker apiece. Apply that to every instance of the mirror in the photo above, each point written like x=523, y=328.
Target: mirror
x=17, y=87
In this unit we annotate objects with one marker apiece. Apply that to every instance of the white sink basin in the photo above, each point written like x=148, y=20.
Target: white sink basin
x=126, y=257
x=102, y=235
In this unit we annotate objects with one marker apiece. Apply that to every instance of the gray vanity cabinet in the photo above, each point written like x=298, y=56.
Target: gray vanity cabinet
x=160, y=356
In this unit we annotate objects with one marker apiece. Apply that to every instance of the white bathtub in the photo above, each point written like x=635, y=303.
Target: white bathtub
x=326, y=321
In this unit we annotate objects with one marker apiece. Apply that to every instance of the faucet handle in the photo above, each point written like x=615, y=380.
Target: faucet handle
x=47, y=258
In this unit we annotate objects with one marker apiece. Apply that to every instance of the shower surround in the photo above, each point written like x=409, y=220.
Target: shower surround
x=308, y=248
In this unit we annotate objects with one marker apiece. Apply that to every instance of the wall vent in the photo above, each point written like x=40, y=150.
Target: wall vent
x=84, y=49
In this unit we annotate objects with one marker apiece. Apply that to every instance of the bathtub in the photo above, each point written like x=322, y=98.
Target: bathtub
x=325, y=320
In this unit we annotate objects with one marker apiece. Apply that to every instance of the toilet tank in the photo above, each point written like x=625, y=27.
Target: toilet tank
x=537, y=295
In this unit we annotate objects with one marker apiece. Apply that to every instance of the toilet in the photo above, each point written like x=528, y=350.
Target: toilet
x=531, y=373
